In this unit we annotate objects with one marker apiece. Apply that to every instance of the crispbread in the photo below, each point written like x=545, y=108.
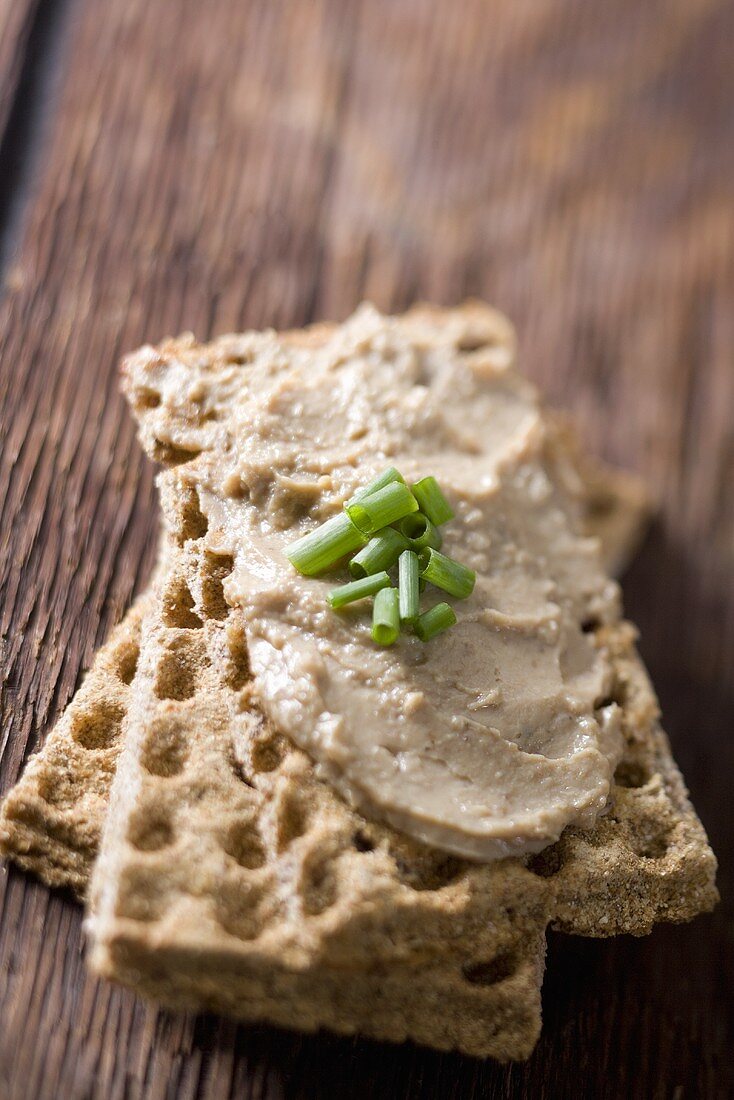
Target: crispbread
x=51, y=820
x=278, y=886
x=315, y=953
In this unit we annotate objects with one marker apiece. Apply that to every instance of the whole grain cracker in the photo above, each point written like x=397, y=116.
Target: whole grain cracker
x=154, y=928
x=562, y=869
x=51, y=820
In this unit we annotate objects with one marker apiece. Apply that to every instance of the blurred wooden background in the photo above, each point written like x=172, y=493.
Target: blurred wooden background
x=210, y=166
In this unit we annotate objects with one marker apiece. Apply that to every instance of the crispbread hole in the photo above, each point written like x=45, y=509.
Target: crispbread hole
x=237, y=669
x=215, y=568
x=318, y=883
x=654, y=847
x=239, y=358
x=168, y=454
x=60, y=790
x=150, y=827
x=178, y=605
x=243, y=843
x=363, y=842
x=422, y=868
x=268, y=749
x=292, y=817
x=97, y=727
x=141, y=893
x=650, y=837
x=474, y=341
x=492, y=971
x=164, y=751
x=632, y=774
x=548, y=862
x=185, y=515
x=237, y=906
x=179, y=668
x=125, y=658
x=147, y=398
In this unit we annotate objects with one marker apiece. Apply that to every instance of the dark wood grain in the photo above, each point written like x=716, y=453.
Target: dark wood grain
x=220, y=165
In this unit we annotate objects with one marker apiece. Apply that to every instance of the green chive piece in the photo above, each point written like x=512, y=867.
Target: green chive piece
x=378, y=510
x=431, y=500
x=445, y=573
x=408, y=586
x=434, y=621
x=386, y=617
x=420, y=531
x=315, y=552
x=385, y=478
x=381, y=552
x=357, y=590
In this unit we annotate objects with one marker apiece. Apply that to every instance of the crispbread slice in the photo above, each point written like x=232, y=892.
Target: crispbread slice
x=163, y=925
x=51, y=820
x=399, y=983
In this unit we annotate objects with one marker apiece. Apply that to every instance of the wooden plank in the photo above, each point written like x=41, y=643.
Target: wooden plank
x=221, y=165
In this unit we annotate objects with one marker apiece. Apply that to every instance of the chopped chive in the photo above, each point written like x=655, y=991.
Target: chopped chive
x=421, y=532
x=433, y=621
x=431, y=500
x=445, y=573
x=408, y=586
x=386, y=617
x=315, y=552
x=378, y=510
x=380, y=553
x=385, y=478
x=357, y=590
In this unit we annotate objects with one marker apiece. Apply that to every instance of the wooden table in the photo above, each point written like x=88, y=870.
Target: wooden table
x=212, y=165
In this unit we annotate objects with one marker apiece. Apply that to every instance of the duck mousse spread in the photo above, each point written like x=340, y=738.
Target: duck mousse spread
x=490, y=739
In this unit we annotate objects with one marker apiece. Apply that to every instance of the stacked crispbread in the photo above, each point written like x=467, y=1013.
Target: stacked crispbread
x=231, y=877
